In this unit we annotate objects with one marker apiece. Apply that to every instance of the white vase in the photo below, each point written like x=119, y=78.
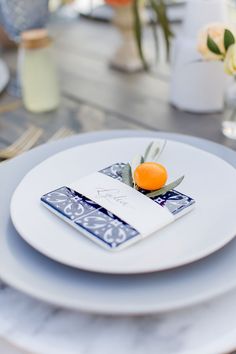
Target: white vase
x=196, y=85
x=126, y=57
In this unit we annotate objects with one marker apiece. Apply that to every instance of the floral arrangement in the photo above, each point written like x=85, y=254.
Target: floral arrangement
x=159, y=16
x=218, y=42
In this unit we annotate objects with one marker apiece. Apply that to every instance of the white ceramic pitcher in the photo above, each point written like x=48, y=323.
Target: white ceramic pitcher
x=196, y=85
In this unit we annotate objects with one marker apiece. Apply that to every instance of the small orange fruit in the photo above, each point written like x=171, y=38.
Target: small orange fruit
x=150, y=176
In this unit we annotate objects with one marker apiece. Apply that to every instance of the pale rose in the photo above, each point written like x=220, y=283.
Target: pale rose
x=230, y=60
x=216, y=32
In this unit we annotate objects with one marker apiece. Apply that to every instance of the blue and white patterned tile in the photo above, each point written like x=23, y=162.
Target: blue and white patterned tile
x=100, y=223
x=70, y=203
x=107, y=227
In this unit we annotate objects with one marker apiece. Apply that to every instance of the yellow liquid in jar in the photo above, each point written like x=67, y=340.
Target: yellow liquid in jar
x=39, y=80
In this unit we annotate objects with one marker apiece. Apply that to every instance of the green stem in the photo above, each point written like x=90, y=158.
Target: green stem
x=155, y=34
x=161, y=16
x=138, y=32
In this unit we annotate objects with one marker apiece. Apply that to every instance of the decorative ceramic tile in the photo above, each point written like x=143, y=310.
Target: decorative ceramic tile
x=70, y=203
x=97, y=221
x=107, y=227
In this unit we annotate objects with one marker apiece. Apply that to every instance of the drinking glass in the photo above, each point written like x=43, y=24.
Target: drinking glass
x=18, y=16
x=229, y=120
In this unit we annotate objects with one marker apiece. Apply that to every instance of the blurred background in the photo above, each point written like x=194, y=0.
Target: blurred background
x=85, y=65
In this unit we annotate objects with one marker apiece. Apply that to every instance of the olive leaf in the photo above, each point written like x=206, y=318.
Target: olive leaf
x=228, y=39
x=147, y=151
x=161, y=150
x=165, y=189
x=127, y=175
x=154, y=151
x=212, y=46
x=137, y=160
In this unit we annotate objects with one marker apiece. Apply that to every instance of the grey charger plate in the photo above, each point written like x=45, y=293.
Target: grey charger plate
x=27, y=270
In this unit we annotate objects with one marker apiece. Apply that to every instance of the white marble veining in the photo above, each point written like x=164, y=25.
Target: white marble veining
x=40, y=328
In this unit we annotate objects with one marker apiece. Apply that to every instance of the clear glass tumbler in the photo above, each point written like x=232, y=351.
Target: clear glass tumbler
x=229, y=120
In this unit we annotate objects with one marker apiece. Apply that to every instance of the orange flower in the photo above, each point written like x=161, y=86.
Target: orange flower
x=118, y=2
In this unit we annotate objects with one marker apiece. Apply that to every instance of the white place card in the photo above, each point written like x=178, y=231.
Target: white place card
x=128, y=204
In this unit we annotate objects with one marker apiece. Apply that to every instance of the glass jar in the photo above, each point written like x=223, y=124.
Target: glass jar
x=38, y=76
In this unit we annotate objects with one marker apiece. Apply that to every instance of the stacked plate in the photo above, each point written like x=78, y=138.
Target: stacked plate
x=190, y=261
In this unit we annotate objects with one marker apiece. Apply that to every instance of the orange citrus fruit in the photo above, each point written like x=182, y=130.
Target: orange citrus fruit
x=150, y=176
x=118, y=2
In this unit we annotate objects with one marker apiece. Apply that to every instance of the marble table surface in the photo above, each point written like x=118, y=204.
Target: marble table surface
x=36, y=327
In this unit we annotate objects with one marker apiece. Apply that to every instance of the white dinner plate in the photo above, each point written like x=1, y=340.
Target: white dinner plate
x=208, y=179
x=27, y=270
